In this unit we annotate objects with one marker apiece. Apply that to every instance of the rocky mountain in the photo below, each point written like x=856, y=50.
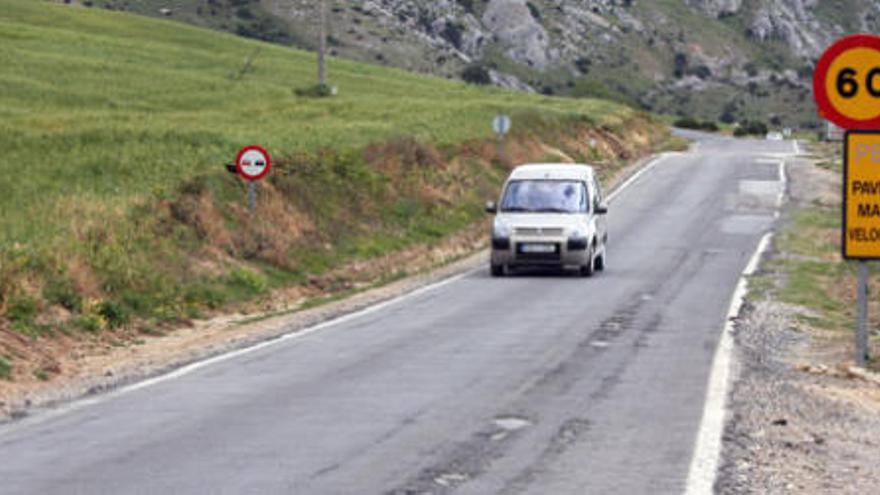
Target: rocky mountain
x=724, y=60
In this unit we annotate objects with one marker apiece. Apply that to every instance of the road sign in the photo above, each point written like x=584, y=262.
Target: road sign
x=861, y=195
x=501, y=124
x=832, y=132
x=846, y=82
x=253, y=162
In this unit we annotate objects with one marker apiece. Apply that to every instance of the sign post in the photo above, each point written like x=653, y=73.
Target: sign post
x=253, y=163
x=846, y=85
x=862, y=301
x=501, y=125
x=861, y=218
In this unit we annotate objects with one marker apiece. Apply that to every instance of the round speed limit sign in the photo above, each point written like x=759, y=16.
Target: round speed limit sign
x=253, y=162
x=846, y=82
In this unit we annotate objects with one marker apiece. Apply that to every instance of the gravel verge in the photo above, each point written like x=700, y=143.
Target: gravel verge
x=801, y=418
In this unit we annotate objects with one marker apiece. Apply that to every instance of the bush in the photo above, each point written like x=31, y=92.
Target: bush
x=476, y=74
x=751, y=128
x=63, y=293
x=90, y=323
x=467, y=5
x=692, y=123
x=247, y=281
x=536, y=13
x=113, y=313
x=5, y=368
x=583, y=64
x=21, y=309
x=681, y=65
x=453, y=33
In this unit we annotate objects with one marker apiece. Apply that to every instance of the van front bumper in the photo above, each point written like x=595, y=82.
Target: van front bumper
x=538, y=252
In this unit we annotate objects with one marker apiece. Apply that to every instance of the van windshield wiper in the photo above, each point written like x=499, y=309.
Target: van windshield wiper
x=552, y=210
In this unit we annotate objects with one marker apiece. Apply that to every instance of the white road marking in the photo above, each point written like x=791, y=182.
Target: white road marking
x=797, y=148
x=647, y=168
x=707, y=451
x=79, y=403
x=189, y=368
x=782, y=185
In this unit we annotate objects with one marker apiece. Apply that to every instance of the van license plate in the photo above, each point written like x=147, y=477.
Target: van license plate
x=538, y=248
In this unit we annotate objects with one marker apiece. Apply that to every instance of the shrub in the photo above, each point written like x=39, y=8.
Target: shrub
x=751, y=128
x=248, y=281
x=5, y=368
x=21, y=309
x=90, y=323
x=533, y=9
x=467, y=5
x=63, y=293
x=113, y=313
x=476, y=74
x=692, y=123
x=453, y=33
x=583, y=64
x=681, y=65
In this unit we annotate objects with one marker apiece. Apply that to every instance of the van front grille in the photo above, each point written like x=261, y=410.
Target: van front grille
x=539, y=231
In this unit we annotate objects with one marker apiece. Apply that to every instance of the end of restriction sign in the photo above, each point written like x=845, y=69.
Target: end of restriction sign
x=861, y=195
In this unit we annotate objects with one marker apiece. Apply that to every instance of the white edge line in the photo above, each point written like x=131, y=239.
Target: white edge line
x=707, y=450
x=76, y=404
x=79, y=403
x=638, y=174
x=780, y=198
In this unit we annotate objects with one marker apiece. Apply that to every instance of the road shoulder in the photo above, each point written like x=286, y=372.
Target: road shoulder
x=802, y=419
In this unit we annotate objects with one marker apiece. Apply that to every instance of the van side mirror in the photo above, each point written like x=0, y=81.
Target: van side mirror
x=602, y=209
x=491, y=207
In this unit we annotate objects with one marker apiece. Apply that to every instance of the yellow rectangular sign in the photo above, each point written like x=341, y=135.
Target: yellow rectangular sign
x=861, y=195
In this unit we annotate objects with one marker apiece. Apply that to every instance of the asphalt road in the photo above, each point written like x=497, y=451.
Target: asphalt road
x=540, y=383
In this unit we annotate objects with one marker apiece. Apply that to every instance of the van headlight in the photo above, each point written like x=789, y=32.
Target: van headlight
x=579, y=232
x=501, y=229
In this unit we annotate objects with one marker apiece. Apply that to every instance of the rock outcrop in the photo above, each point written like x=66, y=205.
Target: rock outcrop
x=718, y=58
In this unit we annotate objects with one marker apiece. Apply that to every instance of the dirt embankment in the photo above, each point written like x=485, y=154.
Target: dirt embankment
x=803, y=419
x=330, y=226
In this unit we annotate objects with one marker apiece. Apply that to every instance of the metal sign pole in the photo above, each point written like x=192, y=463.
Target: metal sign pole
x=862, y=333
x=500, y=145
x=252, y=195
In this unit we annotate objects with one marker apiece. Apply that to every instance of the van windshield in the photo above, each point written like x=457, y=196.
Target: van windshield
x=545, y=196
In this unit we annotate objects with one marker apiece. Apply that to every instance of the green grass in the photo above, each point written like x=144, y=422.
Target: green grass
x=808, y=271
x=5, y=368
x=116, y=129
x=813, y=267
x=98, y=108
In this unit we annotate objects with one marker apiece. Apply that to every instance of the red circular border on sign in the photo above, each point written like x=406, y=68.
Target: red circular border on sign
x=241, y=153
x=826, y=109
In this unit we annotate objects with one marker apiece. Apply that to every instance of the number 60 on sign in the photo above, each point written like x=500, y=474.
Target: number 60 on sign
x=846, y=82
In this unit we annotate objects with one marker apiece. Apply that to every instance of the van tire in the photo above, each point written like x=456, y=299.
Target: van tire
x=496, y=270
x=589, y=269
x=600, y=263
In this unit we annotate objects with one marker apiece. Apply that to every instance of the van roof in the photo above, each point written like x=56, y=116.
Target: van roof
x=552, y=171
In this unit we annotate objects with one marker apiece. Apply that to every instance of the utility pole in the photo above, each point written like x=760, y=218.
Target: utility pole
x=322, y=45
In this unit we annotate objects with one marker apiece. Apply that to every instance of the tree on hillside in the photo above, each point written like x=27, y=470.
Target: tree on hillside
x=322, y=44
x=476, y=73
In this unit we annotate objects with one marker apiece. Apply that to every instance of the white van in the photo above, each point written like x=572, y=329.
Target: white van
x=549, y=215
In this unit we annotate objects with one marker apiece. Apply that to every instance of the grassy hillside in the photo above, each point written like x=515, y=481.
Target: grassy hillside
x=115, y=128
